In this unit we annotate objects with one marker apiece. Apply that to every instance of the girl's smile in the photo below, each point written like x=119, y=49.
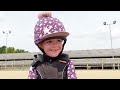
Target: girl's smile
x=52, y=47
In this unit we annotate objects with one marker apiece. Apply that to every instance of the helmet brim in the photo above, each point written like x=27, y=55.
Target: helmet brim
x=61, y=34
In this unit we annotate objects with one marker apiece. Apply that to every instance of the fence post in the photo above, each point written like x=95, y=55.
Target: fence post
x=102, y=65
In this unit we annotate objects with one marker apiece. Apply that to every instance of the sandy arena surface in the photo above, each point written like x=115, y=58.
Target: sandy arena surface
x=81, y=74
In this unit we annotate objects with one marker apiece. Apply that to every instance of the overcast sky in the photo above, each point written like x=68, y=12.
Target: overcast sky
x=85, y=27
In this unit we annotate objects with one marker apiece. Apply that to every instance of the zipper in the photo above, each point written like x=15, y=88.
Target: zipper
x=50, y=61
x=64, y=70
x=40, y=74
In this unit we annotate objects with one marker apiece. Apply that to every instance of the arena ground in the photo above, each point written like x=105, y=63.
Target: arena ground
x=81, y=74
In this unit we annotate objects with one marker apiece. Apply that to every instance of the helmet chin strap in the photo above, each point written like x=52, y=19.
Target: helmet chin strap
x=63, y=45
x=61, y=50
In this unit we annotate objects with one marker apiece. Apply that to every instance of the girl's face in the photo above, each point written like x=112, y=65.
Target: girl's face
x=52, y=47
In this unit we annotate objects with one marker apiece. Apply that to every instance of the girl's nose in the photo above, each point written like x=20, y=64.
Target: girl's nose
x=55, y=43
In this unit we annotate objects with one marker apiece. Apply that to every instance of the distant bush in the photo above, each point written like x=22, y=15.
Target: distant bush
x=3, y=49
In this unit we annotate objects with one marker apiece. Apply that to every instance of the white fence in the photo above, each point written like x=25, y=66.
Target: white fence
x=92, y=63
x=82, y=59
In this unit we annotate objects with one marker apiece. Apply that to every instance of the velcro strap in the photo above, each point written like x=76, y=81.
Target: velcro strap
x=62, y=61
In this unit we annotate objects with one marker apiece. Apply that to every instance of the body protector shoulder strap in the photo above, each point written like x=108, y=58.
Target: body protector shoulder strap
x=37, y=60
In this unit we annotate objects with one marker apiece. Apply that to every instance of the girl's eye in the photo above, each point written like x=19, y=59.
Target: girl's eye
x=49, y=41
x=59, y=40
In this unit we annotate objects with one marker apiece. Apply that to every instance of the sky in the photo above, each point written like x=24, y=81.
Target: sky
x=85, y=27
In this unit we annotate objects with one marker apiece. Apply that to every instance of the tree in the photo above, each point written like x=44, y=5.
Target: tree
x=11, y=50
x=20, y=51
x=3, y=49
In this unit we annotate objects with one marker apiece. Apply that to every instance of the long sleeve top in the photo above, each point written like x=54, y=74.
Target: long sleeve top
x=32, y=74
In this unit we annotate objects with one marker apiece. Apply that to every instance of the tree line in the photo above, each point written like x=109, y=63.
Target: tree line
x=3, y=50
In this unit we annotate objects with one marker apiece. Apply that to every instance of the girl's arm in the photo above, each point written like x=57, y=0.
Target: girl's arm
x=32, y=73
x=71, y=71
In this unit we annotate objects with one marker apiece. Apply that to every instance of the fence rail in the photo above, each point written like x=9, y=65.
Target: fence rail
x=82, y=59
x=103, y=63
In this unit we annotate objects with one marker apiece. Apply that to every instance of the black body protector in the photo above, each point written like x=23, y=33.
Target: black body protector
x=51, y=68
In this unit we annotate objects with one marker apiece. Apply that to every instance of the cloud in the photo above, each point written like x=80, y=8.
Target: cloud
x=2, y=16
x=116, y=33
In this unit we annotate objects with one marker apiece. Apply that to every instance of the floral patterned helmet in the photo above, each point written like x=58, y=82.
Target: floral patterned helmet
x=48, y=27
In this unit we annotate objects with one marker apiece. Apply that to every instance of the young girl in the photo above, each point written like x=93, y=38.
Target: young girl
x=50, y=37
